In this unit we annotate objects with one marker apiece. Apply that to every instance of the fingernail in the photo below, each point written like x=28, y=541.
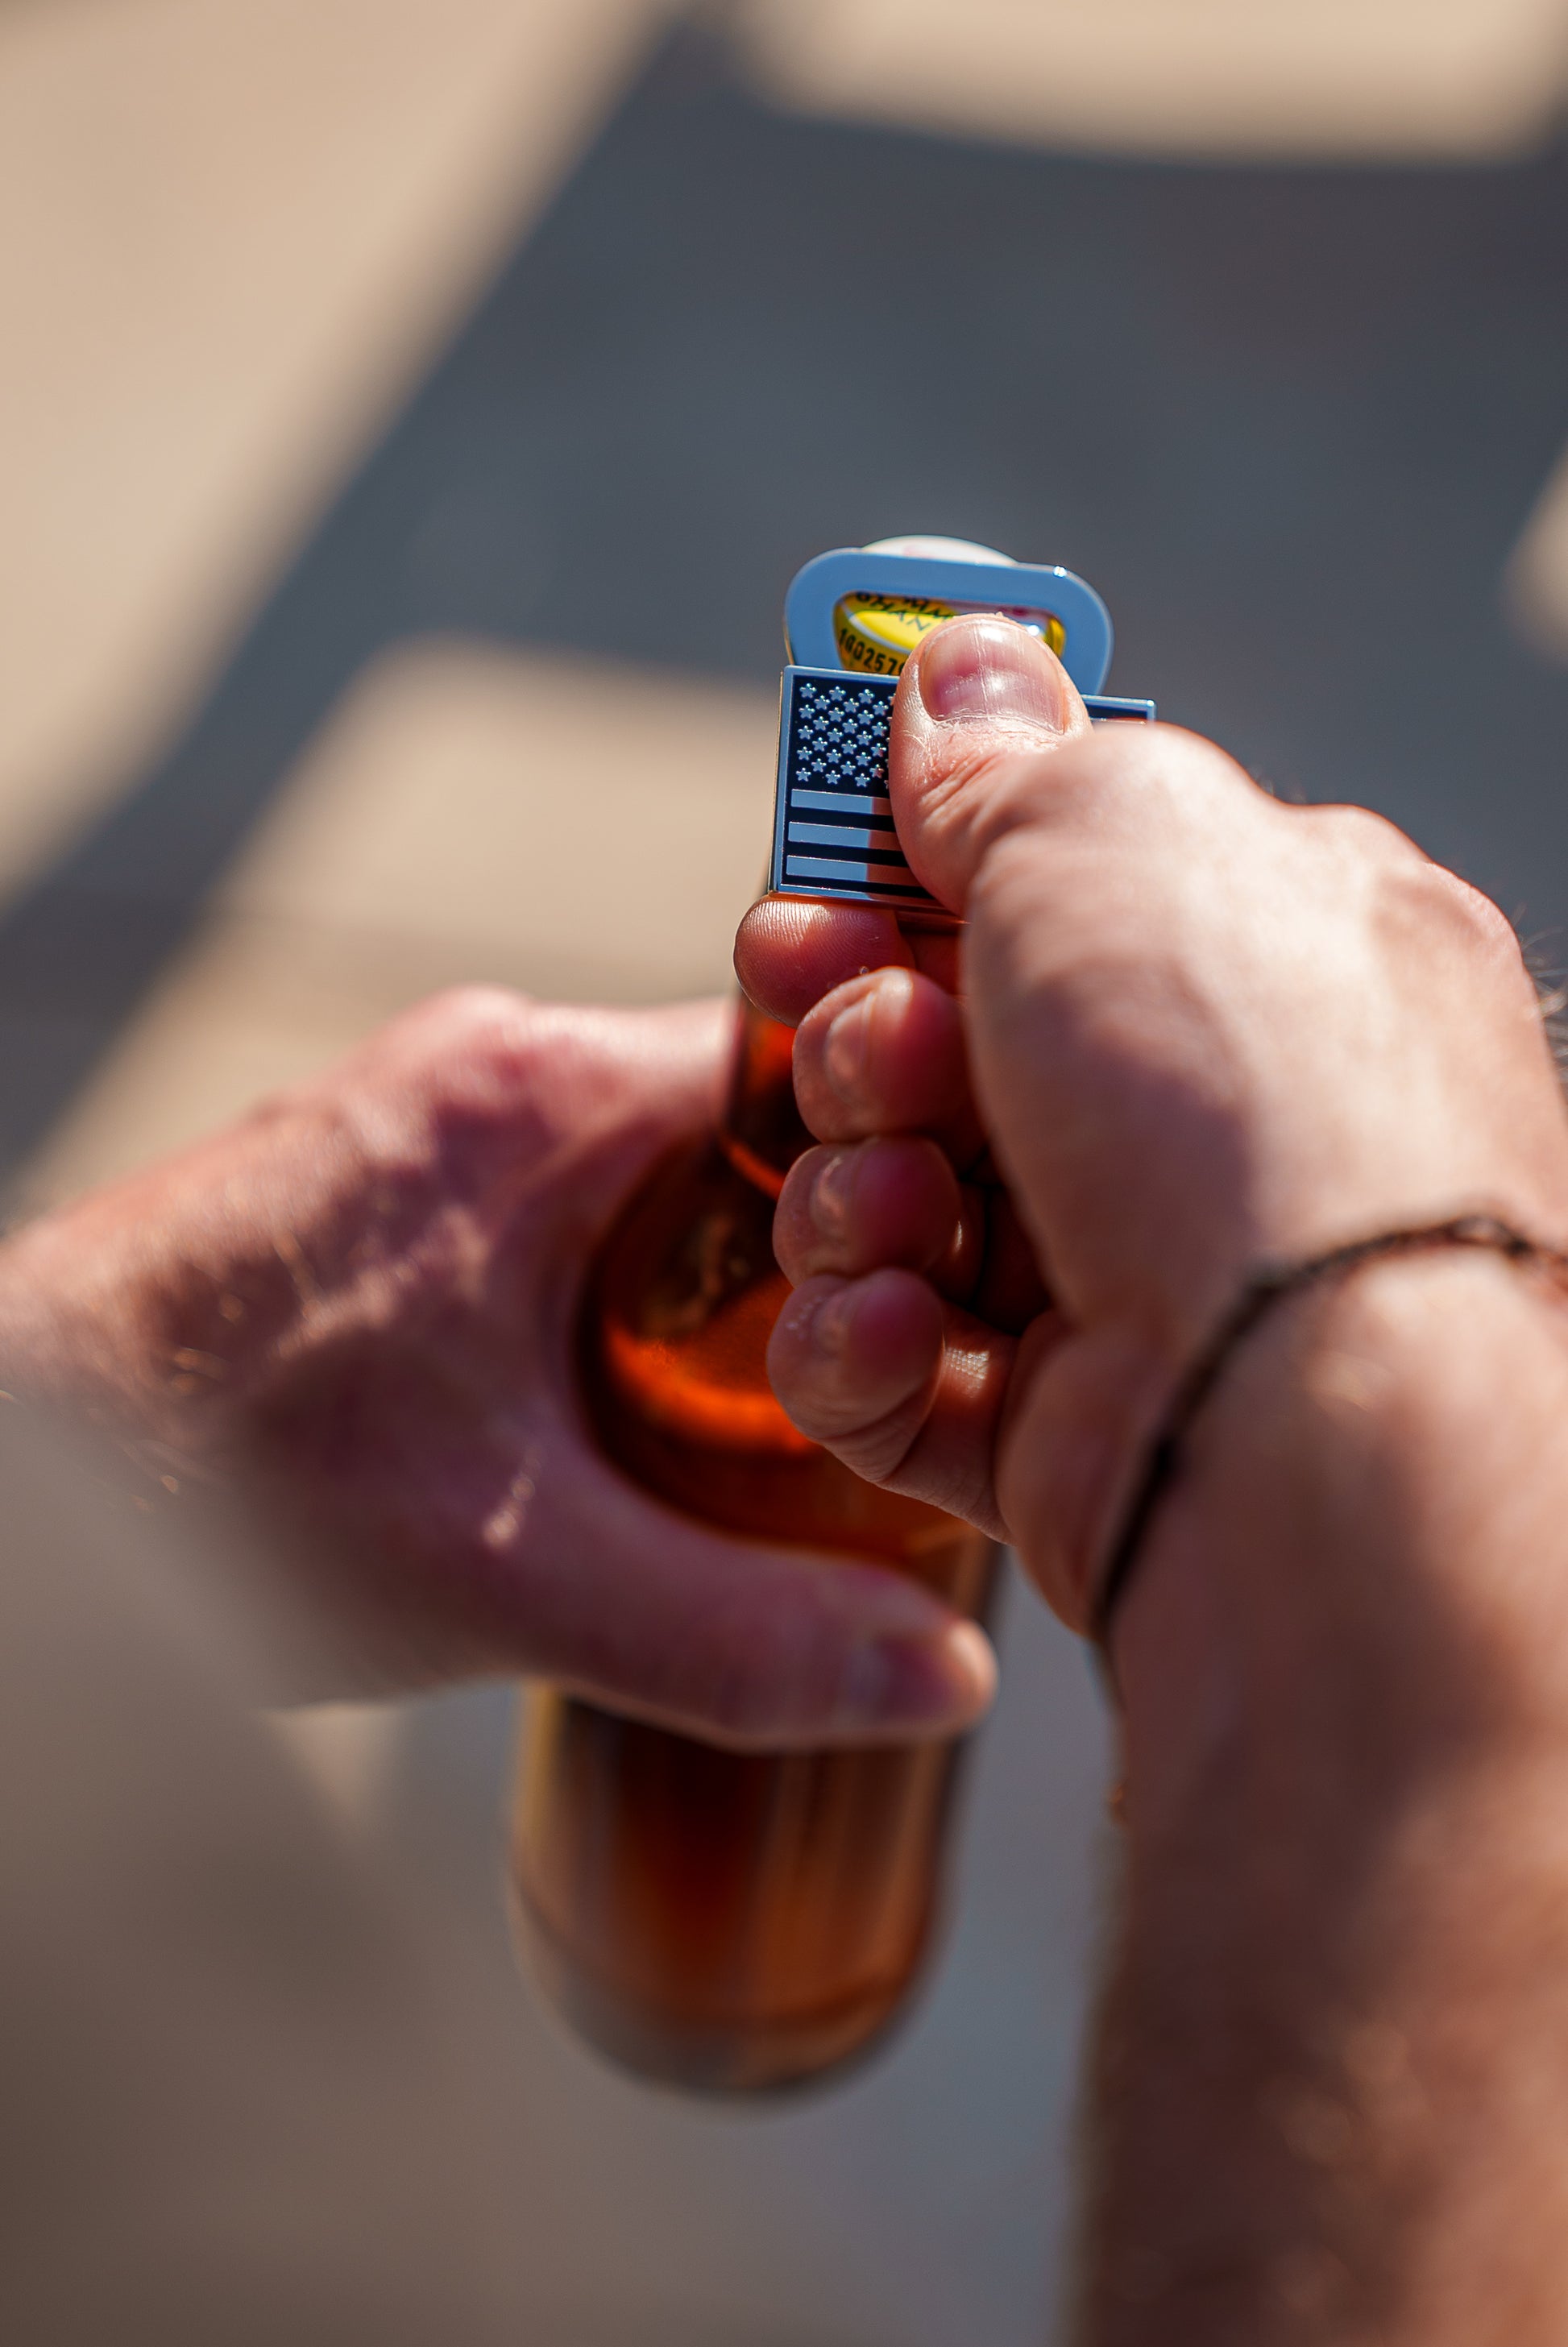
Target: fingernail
x=820, y=1321
x=992, y=670
x=931, y=1686
x=848, y=1043
x=831, y=1192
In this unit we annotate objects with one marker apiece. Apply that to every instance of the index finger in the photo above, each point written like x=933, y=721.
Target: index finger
x=790, y=951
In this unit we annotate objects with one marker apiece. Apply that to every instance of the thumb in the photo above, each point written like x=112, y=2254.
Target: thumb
x=977, y=704
x=978, y=693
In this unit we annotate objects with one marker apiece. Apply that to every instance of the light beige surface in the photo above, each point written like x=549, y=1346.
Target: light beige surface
x=1319, y=78
x=350, y=1751
x=562, y=825
x=231, y=232
x=1536, y=586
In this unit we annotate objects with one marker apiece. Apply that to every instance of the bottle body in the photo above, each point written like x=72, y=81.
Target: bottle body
x=728, y=1921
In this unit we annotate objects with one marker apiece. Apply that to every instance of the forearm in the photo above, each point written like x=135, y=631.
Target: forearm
x=1331, y=2093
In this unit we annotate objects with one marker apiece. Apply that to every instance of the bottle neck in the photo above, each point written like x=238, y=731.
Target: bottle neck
x=761, y=1131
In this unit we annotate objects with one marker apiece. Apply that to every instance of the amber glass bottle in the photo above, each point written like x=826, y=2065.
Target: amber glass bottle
x=726, y=1922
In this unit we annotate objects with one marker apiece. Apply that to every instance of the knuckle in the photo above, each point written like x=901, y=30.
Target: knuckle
x=1182, y=775
x=976, y=773
x=1418, y=907
x=1167, y=776
x=480, y=1017
x=795, y=1234
x=475, y=1028
x=973, y=797
x=1361, y=836
x=1429, y=906
x=877, y=1454
x=487, y=1035
x=1473, y=915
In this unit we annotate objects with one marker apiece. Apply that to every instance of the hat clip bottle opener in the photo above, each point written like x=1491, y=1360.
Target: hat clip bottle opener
x=834, y=833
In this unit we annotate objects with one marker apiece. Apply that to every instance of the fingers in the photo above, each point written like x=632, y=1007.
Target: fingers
x=735, y=1642
x=885, y=1053
x=792, y=950
x=853, y=1210
x=1009, y=1291
x=905, y=1390
x=481, y=1081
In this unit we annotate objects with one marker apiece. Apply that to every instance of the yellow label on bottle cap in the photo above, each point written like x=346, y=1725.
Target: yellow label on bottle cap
x=876, y=633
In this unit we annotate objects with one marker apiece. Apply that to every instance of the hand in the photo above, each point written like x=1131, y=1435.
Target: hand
x=357, y=1304
x=1198, y=1029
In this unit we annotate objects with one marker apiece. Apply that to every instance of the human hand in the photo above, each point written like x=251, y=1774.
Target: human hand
x=357, y=1304
x=1198, y=1029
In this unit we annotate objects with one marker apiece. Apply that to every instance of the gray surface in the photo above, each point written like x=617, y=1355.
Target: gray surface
x=921, y=2204
x=1288, y=421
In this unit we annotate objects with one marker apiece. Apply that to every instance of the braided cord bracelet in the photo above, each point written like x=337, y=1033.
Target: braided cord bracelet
x=1266, y=1288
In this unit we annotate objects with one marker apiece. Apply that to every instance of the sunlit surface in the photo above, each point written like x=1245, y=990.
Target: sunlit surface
x=1202, y=78
x=573, y=827
x=230, y=233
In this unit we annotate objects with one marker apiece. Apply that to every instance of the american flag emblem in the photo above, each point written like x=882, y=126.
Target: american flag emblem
x=833, y=835
x=833, y=828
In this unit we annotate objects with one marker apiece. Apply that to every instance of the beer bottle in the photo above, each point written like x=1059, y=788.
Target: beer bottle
x=714, y=1919
x=719, y=1921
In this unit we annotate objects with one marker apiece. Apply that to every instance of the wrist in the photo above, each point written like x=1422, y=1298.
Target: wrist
x=89, y=1326
x=45, y=1356
x=1363, y=1557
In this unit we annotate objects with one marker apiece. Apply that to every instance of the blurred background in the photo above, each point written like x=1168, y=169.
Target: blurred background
x=413, y=413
